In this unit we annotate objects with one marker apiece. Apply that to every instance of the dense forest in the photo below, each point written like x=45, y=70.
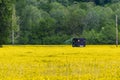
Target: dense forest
x=5, y=21
x=58, y=21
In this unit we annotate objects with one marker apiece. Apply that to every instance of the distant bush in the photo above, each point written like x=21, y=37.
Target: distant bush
x=55, y=39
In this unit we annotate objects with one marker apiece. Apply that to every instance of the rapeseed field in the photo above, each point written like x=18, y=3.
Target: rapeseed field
x=60, y=62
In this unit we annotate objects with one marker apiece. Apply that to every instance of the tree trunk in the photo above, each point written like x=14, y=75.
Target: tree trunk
x=13, y=37
x=116, y=31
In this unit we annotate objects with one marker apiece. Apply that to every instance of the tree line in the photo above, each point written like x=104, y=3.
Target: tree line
x=5, y=20
x=58, y=21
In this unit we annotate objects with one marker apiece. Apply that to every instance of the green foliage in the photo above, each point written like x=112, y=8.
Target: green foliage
x=55, y=39
x=15, y=26
x=5, y=20
x=107, y=35
x=57, y=21
x=92, y=37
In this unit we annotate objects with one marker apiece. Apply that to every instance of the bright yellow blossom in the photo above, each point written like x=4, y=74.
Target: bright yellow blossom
x=41, y=62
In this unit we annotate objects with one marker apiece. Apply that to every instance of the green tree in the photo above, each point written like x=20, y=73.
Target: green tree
x=92, y=20
x=42, y=21
x=15, y=26
x=75, y=20
x=107, y=35
x=30, y=18
x=92, y=36
x=5, y=20
x=59, y=13
x=35, y=26
x=114, y=1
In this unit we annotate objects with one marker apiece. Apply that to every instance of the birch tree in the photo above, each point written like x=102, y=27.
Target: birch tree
x=15, y=26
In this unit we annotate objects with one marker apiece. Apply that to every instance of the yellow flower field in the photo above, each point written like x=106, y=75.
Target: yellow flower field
x=38, y=62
